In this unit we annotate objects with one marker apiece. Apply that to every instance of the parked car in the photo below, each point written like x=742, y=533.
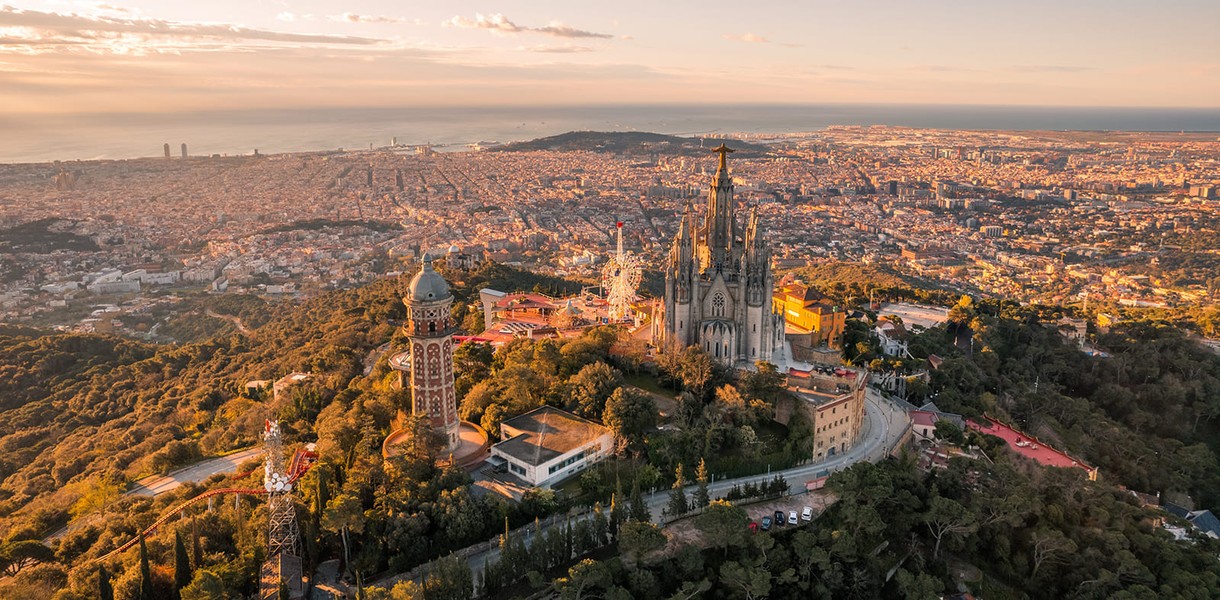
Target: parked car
x=779, y=517
x=753, y=527
x=766, y=523
x=792, y=518
x=807, y=514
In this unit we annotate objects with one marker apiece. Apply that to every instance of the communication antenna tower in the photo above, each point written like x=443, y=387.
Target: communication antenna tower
x=621, y=277
x=282, y=535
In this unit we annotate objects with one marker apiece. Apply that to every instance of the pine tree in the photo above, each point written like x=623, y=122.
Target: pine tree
x=182, y=565
x=701, y=495
x=639, y=510
x=677, y=496
x=146, y=587
x=104, y=590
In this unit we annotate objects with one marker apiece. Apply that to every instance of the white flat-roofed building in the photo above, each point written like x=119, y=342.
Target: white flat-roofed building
x=546, y=445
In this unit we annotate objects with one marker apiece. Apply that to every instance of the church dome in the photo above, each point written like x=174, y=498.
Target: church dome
x=454, y=249
x=427, y=285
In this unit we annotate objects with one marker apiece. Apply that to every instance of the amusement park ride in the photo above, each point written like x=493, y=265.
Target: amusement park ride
x=283, y=563
x=620, y=278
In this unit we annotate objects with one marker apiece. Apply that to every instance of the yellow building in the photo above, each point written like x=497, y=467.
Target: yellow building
x=812, y=321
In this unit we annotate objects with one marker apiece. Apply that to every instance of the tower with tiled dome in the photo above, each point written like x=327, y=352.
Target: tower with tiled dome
x=429, y=372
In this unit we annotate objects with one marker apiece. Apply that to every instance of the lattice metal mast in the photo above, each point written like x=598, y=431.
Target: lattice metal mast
x=621, y=277
x=282, y=535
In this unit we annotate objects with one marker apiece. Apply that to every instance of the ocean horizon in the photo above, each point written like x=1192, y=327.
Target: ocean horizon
x=234, y=132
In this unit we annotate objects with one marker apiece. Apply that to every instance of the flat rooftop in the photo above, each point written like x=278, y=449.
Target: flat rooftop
x=547, y=433
x=915, y=314
x=815, y=397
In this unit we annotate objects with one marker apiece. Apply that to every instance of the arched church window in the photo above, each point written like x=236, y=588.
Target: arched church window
x=432, y=327
x=718, y=305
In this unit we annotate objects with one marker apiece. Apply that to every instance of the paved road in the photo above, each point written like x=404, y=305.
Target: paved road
x=370, y=361
x=156, y=485
x=884, y=426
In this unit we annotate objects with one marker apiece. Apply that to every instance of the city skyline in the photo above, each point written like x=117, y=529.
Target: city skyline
x=66, y=58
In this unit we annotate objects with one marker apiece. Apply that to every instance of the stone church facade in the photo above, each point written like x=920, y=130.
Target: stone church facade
x=718, y=284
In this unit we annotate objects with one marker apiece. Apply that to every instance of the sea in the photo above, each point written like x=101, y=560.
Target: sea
x=233, y=132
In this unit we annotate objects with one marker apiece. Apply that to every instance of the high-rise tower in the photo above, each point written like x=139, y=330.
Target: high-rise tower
x=430, y=333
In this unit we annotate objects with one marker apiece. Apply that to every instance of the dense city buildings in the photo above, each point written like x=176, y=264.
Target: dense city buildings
x=116, y=246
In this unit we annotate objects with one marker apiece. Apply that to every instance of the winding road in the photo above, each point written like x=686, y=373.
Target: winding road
x=885, y=424
x=155, y=485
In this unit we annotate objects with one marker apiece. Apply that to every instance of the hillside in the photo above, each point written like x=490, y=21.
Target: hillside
x=633, y=142
x=851, y=283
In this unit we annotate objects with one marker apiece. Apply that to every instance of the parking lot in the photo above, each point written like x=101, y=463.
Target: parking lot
x=816, y=500
x=684, y=531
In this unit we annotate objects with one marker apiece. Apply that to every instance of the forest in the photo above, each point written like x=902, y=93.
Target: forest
x=898, y=533
x=83, y=416
x=1146, y=413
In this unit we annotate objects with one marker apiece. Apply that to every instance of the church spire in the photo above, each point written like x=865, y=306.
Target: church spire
x=719, y=224
x=722, y=171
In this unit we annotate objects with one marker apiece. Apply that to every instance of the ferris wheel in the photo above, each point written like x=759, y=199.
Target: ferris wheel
x=620, y=278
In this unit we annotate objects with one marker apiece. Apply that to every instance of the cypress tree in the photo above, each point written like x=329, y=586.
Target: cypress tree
x=182, y=565
x=701, y=495
x=639, y=510
x=146, y=587
x=104, y=590
x=196, y=544
x=677, y=496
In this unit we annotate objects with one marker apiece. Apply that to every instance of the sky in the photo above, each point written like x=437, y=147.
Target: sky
x=74, y=57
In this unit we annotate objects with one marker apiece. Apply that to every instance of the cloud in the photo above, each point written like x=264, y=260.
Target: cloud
x=286, y=16
x=747, y=37
x=348, y=17
x=496, y=22
x=753, y=38
x=32, y=32
x=501, y=24
x=1049, y=69
x=556, y=49
x=558, y=29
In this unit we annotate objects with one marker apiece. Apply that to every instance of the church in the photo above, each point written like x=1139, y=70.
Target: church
x=718, y=284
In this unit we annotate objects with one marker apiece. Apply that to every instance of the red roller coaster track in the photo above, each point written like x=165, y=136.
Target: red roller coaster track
x=301, y=461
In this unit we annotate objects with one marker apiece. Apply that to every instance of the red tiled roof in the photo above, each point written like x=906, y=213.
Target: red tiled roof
x=923, y=417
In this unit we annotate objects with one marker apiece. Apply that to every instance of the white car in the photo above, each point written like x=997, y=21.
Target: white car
x=807, y=514
x=792, y=518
